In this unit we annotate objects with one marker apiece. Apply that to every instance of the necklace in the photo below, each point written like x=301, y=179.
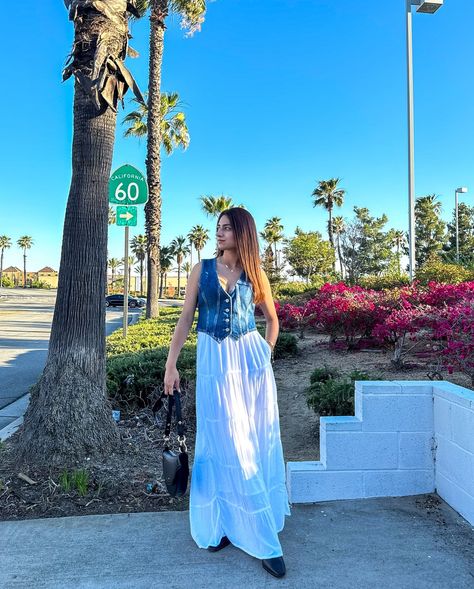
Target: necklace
x=231, y=269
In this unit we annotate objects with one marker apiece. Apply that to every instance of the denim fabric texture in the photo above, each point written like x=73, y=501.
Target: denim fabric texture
x=222, y=314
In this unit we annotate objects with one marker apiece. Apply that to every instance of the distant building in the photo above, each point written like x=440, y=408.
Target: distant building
x=46, y=274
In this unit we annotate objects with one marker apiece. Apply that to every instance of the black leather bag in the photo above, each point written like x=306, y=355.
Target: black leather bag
x=175, y=464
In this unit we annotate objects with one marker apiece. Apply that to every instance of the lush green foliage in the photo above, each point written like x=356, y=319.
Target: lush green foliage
x=331, y=393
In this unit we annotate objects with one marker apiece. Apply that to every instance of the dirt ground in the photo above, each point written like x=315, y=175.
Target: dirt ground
x=130, y=479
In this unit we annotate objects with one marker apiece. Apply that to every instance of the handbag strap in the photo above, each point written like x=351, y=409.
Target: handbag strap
x=173, y=400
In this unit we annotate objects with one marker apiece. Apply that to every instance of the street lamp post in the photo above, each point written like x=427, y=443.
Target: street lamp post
x=427, y=7
x=461, y=190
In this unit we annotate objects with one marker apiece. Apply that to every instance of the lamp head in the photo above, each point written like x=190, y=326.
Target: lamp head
x=462, y=190
x=428, y=6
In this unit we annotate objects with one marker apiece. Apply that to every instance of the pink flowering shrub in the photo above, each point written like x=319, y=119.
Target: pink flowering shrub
x=452, y=330
x=437, y=317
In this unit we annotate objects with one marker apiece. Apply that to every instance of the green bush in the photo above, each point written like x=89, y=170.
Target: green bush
x=6, y=282
x=386, y=281
x=40, y=284
x=331, y=393
x=136, y=364
x=439, y=271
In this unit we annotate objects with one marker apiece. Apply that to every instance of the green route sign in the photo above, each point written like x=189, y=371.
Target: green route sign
x=126, y=216
x=128, y=186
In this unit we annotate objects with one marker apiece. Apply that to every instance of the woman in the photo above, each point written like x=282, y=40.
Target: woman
x=238, y=493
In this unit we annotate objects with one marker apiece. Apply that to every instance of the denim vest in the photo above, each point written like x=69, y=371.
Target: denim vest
x=222, y=313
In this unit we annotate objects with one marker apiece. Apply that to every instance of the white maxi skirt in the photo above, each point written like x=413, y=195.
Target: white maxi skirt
x=237, y=486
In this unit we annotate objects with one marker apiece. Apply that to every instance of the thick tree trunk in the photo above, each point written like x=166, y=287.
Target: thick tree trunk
x=158, y=14
x=69, y=415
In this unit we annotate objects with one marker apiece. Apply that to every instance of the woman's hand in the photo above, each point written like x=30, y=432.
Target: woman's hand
x=171, y=380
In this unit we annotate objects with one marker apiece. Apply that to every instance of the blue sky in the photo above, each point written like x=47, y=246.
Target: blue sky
x=279, y=94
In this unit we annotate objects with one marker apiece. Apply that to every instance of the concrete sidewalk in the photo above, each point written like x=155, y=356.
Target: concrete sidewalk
x=389, y=543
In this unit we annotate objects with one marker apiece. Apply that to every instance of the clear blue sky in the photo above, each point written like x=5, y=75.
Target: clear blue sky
x=279, y=94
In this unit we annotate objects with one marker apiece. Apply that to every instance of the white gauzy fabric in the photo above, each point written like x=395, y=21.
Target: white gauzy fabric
x=237, y=484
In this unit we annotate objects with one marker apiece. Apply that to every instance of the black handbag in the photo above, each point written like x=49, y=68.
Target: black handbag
x=175, y=464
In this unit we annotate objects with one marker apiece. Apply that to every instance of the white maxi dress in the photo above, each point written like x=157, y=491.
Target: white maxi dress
x=237, y=486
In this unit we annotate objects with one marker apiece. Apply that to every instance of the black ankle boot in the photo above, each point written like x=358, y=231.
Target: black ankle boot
x=222, y=544
x=275, y=566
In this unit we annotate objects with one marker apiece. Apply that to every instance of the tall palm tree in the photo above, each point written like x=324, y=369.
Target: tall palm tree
x=5, y=243
x=338, y=228
x=138, y=247
x=69, y=416
x=114, y=264
x=198, y=236
x=25, y=242
x=180, y=250
x=166, y=263
x=398, y=238
x=328, y=194
x=192, y=16
x=276, y=235
x=214, y=205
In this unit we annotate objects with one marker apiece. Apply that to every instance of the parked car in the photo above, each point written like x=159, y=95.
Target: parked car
x=116, y=300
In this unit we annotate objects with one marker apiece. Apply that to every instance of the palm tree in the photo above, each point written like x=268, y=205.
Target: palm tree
x=180, y=249
x=114, y=264
x=131, y=261
x=5, y=243
x=166, y=263
x=138, y=247
x=174, y=130
x=275, y=229
x=25, y=243
x=192, y=15
x=187, y=268
x=214, y=205
x=112, y=215
x=198, y=237
x=338, y=227
x=328, y=195
x=69, y=416
x=398, y=240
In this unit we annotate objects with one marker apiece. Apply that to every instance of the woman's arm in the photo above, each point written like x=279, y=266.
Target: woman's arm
x=269, y=311
x=182, y=329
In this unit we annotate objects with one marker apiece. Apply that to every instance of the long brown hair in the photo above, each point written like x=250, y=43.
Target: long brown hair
x=245, y=233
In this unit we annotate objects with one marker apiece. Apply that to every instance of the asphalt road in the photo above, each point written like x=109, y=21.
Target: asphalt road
x=25, y=324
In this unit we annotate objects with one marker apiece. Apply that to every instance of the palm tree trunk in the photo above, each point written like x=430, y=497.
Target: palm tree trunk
x=398, y=259
x=340, y=255
x=1, y=269
x=331, y=237
x=158, y=13
x=69, y=415
x=199, y=255
x=24, y=270
x=141, y=277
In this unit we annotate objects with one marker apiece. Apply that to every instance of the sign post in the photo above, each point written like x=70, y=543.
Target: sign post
x=127, y=188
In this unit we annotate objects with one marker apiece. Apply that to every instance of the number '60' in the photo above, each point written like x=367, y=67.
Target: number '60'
x=120, y=193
